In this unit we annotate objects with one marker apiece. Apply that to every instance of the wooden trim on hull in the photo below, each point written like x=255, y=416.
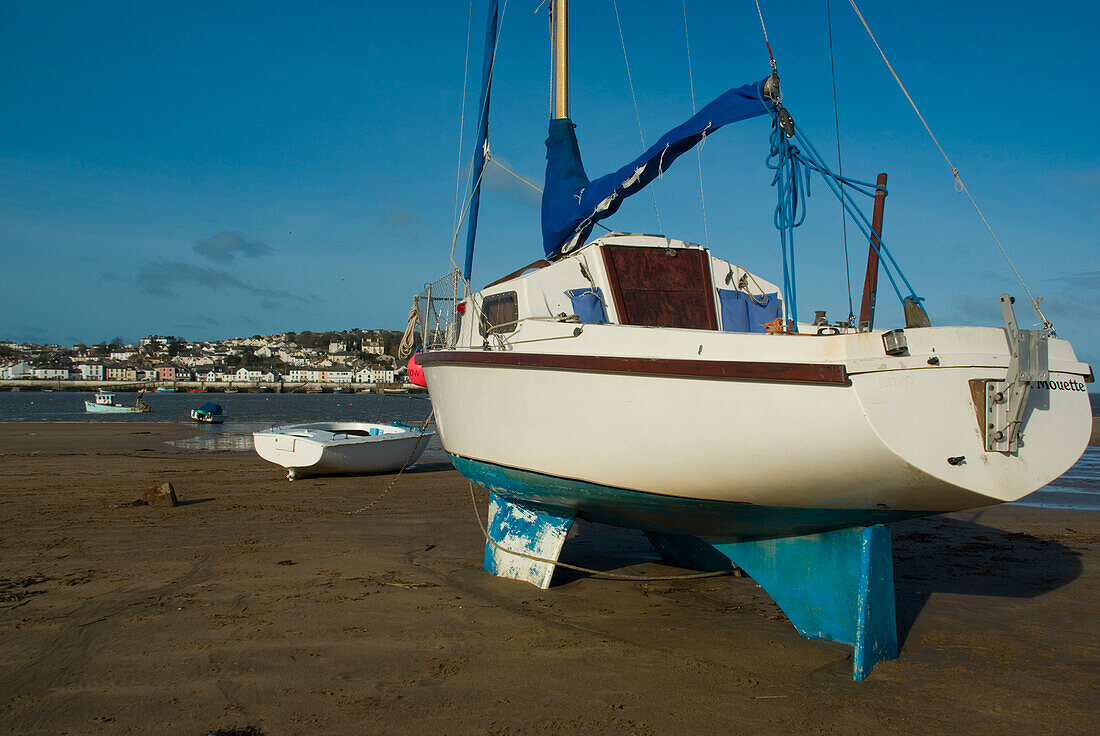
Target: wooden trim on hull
x=730, y=369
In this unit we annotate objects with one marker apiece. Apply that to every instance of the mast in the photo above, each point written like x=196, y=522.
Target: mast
x=560, y=19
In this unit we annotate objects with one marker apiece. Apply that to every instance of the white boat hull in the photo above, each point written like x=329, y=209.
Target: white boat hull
x=94, y=408
x=880, y=442
x=340, y=448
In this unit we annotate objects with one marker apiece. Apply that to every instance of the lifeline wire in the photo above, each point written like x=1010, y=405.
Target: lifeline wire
x=594, y=573
x=959, y=185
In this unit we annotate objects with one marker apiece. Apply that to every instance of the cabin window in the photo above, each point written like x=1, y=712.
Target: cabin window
x=499, y=314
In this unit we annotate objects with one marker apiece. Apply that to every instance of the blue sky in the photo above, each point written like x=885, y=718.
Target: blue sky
x=219, y=169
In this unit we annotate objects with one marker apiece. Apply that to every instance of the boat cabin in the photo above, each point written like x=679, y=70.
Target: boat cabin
x=624, y=279
x=105, y=399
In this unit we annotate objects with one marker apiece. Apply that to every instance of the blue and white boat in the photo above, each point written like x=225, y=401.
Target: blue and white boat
x=209, y=413
x=105, y=404
x=642, y=381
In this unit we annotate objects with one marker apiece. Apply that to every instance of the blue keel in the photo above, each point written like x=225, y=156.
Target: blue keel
x=837, y=585
x=532, y=531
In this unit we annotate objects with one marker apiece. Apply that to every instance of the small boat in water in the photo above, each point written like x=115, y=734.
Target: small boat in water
x=105, y=404
x=341, y=447
x=209, y=413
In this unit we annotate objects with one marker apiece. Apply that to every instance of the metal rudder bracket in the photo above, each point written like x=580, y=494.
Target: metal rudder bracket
x=532, y=533
x=836, y=585
x=1005, y=400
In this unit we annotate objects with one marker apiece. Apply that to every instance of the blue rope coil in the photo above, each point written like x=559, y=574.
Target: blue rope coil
x=793, y=166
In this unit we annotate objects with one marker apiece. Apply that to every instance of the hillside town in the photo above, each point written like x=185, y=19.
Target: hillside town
x=347, y=357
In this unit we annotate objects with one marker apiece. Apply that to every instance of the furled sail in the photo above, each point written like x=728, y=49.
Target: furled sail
x=571, y=204
x=491, y=28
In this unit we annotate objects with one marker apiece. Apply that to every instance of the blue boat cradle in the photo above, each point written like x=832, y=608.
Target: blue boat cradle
x=835, y=585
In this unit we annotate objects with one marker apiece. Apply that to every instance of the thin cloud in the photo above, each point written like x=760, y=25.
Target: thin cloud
x=227, y=245
x=403, y=223
x=1088, y=178
x=508, y=184
x=1089, y=281
x=164, y=278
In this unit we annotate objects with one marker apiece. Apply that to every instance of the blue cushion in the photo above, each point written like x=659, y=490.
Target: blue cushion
x=735, y=312
x=588, y=305
x=762, y=314
x=744, y=313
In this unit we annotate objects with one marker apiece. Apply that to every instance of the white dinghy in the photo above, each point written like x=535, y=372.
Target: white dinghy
x=357, y=448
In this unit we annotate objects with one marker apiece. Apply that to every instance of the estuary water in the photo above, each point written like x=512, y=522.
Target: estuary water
x=1077, y=489
x=247, y=413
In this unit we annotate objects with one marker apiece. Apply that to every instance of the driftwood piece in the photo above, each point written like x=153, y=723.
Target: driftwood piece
x=162, y=495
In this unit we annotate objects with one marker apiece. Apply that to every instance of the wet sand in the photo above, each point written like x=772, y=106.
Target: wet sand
x=263, y=602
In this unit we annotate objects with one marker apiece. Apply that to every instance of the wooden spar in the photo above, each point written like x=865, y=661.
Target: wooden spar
x=870, y=282
x=560, y=10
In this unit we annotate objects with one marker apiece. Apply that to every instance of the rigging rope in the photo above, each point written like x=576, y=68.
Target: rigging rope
x=698, y=148
x=492, y=160
x=462, y=117
x=766, y=42
x=470, y=190
x=790, y=208
x=793, y=166
x=839, y=164
x=960, y=186
x=408, y=461
x=405, y=348
x=637, y=115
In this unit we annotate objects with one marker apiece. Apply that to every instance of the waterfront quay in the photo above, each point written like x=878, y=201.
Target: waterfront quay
x=25, y=384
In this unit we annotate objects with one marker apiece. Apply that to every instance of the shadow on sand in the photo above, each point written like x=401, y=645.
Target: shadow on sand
x=952, y=555
x=932, y=555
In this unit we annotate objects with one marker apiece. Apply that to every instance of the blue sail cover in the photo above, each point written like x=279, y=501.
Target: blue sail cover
x=571, y=204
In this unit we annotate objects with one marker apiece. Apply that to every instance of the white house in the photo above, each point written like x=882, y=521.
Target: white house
x=373, y=346
x=244, y=374
x=344, y=376
x=374, y=374
x=307, y=375
x=22, y=369
x=52, y=371
x=91, y=371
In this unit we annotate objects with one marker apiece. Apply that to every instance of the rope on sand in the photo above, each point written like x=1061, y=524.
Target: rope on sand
x=408, y=461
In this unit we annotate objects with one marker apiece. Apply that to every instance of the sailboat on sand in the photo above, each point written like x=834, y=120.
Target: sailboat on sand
x=609, y=381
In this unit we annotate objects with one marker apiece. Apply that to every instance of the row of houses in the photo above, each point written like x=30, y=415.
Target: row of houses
x=169, y=373
x=366, y=374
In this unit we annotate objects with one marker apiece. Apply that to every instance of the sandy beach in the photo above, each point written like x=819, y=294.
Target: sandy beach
x=262, y=602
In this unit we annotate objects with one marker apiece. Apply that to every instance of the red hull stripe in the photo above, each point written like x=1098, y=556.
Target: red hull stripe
x=730, y=369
